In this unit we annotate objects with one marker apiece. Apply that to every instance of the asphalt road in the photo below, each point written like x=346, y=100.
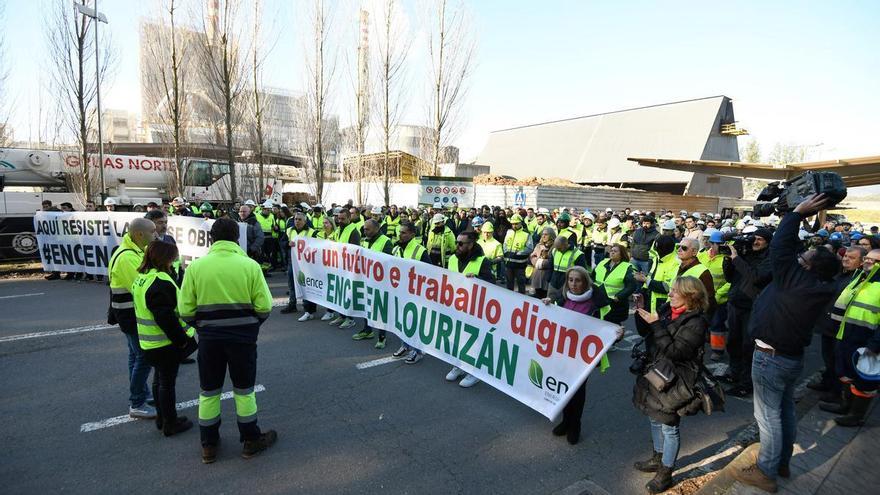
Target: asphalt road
x=391, y=428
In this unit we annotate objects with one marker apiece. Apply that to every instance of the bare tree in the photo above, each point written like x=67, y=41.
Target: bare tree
x=452, y=49
x=258, y=104
x=392, y=48
x=226, y=68
x=5, y=135
x=71, y=51
x=167, y=55
x=321, y=65
x=362, y=102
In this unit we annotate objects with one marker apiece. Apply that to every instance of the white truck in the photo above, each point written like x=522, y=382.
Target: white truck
x=29, y=176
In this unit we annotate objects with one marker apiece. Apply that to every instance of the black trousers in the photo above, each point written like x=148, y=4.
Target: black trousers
x=540, y=293
x=516, y=274
x=165, y=362
x=829, y=376
x=270, y=250
x=740, y=345
x=215, y=357
x=572, y=412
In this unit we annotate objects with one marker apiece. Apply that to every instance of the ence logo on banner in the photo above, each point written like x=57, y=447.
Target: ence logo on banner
x=301, y=279
x=536, y=374
x=551, y=384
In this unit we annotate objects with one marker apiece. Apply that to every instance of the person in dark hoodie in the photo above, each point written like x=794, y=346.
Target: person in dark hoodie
x=782, y=323
x=470, y=261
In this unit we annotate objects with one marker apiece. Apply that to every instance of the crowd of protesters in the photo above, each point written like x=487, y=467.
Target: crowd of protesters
x=743, y=292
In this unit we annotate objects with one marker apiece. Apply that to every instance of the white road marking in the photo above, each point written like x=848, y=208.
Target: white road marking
x=118, y=420
x=709, y=460
x=23, y=295
x=52, y=333
x=276, y=302
x=376, y=362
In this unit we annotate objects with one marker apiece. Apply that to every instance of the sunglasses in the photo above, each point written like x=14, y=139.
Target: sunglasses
x=462, y=243
x=683, y=248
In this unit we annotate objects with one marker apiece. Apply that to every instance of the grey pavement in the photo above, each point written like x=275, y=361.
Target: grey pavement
x=393, y=428
x=827, y=459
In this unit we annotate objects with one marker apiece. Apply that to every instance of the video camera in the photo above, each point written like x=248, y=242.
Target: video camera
x=742, y=243
x=782, y=197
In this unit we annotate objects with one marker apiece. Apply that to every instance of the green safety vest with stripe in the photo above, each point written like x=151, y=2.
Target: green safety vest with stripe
x=568, y=232
x=317, y=221
x=695, y=271
x=378, y=245
x=716, y=269
x=472, y=268
x=445, y=243
x=122, y=271
x=663, y=270
x=858, y=305
x=266, y=223
x=514, y=242
x=343, y=234
x=413, y=251
x=491, y=248
x=613, y=281
x=391, y=226
x=563, y=261
x=150, y=335
x=306, y=232
x=321, y=234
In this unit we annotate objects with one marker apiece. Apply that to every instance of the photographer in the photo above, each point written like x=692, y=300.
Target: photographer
x=782, y=322
x=748, y=273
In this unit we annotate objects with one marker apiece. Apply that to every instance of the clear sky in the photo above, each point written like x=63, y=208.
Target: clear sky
x=800, y=72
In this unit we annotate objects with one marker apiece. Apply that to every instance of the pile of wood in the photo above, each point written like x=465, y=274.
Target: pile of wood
x=500, y=180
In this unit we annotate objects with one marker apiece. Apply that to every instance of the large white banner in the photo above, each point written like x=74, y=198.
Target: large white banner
x=82, y=242
x=537, y=354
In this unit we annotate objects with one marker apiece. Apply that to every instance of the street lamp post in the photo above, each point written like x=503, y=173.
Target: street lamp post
x=97, y=17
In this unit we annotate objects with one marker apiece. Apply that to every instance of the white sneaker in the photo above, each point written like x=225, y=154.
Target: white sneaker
x=414, y=357
x=399, y=353
x=336, y=320
x=143, y=412
x=454, y=374
x=347, y=323
x=469, y=381
x=306, y=317
x=329, y=315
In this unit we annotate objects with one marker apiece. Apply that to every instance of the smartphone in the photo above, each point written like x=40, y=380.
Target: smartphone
x=639, y=299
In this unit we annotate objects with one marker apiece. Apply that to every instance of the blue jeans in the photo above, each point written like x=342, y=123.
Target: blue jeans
x=774, y=379
x=667, y=440
x=138, y=372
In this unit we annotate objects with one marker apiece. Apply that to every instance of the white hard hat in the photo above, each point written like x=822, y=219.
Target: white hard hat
x=284, y=205
x=747, y=218
x=608, y=210
x=613, y=223
x=804, y=235
x=438, y=205
x=758, y=223
x=110, y=202
x=438, y=218
x=669, y=225
x=750, y=229
x=267, y=204
x=319, y=205
x=178, y=201
x=709, y=231
x=377, y=210
x=718, y=216
x=543, y=211
x=250, y=202
x=305, y=206
x=590, y=216
x=696, y=214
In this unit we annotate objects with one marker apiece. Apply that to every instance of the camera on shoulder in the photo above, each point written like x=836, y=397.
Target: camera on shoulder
x=783, y=197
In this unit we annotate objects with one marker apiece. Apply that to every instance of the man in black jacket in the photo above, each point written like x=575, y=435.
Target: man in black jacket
x=748, y=275
x=642, y=240
x=782, y=323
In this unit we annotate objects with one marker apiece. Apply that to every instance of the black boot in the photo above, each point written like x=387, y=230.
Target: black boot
x=263, y=442
x=179, y=425
x=573, y=433
x=842, y=407
x=559, y=429
x=651, y=465
x=291, y=308
x=857, y=411
x=662, y=481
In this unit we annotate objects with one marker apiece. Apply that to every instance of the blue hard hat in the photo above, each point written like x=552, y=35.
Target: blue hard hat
x=856, y=236
x=837, y=236
x=822, y=233
x=867, y=367
x=717, y=237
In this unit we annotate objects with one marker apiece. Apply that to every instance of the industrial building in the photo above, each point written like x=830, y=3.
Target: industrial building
x=593, y=150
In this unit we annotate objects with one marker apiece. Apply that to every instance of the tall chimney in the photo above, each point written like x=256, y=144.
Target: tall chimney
x=213, y=24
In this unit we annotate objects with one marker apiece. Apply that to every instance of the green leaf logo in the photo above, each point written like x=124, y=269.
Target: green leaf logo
x=301, y=278
x=536, y=374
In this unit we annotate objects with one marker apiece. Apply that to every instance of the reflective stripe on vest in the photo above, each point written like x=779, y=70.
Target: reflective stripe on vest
x=150, y=335
x=473, y=266
x=563, y=261
x=664, y=271
x=861, y=297
x=613, y=281
x=414, y=251
x=377, y=245
x=695, y=271
x=716, y=269
x=266, y=222
x=344, y=234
